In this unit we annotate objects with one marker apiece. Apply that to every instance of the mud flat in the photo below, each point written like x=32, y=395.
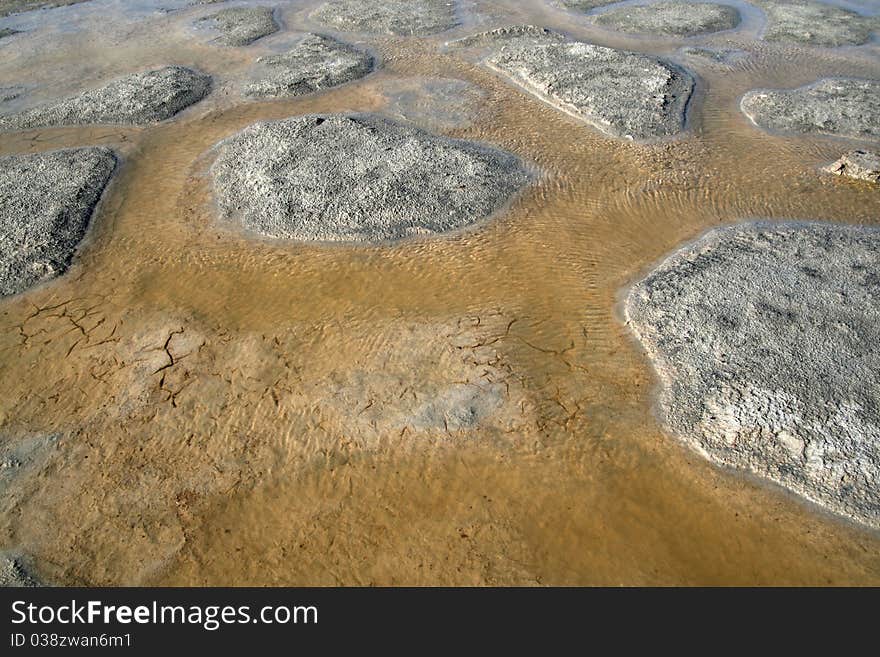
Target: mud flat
x=316, y=62
x=397, y=17
x=621, y=93
x=840, y=107
x=765, y=339
x=815, y=23
x=241, y=26
x=137, y=99
x=675, y=19
x=435, y=103
x=360, y=178
x=46, y=201
x=860, y=165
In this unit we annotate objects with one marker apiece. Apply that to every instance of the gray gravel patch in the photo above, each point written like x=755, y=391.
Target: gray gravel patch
x=397, y=17
x=14, y=572
x=316, y=62
x=358, y=178
x=860, y=165
x=766, y=340
x=815, y=23
x=675, y=19
x=621, y=93
x=8, y=7
x=136, y=99
x=46, y=201
x=585, y=5
x=840, y=107
x=241, y=26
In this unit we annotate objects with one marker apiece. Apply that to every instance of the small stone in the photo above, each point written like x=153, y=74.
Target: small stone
x=861, y=165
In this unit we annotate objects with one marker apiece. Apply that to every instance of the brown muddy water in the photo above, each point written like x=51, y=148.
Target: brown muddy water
x=191, y=406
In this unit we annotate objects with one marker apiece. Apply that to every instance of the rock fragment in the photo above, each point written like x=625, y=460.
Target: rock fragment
x=861, y=165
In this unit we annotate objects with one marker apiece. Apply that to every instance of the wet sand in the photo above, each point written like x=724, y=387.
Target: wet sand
x=216, y=395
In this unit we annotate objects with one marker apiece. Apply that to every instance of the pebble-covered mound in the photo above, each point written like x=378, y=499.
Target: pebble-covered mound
x=766, y=340
x=624, y=94
x=677, y=19
x=841, y=107
x=815, y=23
x=316, y=62
x=8, y=7
x=398, y=17
x=360, y=178
x=241, y=26
x=861, y=165
x=136, y=99
x=46, y=201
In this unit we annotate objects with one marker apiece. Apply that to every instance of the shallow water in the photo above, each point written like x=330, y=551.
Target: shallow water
x=228, y=408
